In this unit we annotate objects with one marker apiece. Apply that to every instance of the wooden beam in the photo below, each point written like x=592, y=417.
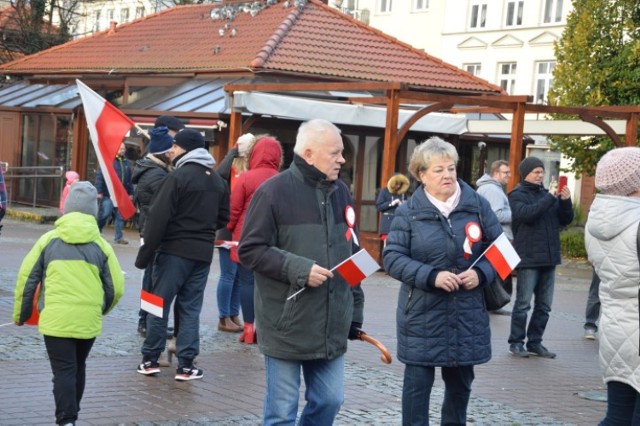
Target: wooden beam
x=417, y=116
x=390, y=137
x=596, y=121
x=516, y=149
x=507, y=103
x=631, y=135
x=594, y=111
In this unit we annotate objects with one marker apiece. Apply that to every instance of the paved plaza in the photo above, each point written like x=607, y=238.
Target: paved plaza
x=506, y=391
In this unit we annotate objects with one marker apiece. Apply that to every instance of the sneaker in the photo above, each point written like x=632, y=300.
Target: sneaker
x=590, y=333
x=184, y=374
x=149, y=368
x=121, y=241
x=540, y=351
x=517, y=350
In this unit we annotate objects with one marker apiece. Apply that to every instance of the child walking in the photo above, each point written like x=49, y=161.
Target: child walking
x=75, y=276
x=72, y=177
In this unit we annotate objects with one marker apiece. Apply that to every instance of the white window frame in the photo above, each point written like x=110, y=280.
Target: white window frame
x=507, y=76
x=385, y=6
x=552, y=12
x=473, y=68
x=140, y=12
x=513, y=13
x=420, y=5
x=97, y=16
x=543, y=80
x=478, y=15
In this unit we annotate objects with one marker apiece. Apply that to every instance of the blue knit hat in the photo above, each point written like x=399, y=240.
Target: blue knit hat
x=161, y=140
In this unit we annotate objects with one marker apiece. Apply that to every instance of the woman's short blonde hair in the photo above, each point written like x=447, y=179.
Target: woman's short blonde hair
x=424, y=154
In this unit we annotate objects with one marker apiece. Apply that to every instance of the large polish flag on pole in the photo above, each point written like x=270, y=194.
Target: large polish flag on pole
x=108, y=126
x=502, y=256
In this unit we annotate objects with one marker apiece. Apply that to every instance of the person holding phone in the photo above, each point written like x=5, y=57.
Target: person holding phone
x=538, y=214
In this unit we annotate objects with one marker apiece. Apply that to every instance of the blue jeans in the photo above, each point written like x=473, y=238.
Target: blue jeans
x=416, y=392
x=532, y=281
x=324, y=382
x=184, y=280
x=246, y=282
x=228, y=291
x=106, y=208
x=623, y=405
x=592, y=312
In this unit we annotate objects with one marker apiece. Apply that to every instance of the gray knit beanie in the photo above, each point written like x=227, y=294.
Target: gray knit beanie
x=82, y=198
x=618, y=171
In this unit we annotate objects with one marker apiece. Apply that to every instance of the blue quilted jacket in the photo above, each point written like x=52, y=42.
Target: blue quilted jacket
x=436, y=328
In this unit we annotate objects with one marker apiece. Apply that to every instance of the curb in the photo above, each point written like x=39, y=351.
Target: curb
x=26, y=216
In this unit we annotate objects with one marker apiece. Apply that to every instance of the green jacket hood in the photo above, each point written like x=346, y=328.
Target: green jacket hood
x=77, y=228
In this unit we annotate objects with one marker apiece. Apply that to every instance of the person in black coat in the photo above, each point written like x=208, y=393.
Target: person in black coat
x=537, y=215
x=389, y=199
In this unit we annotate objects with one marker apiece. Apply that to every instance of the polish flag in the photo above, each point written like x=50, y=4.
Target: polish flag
x=357, y=267
x=108, y=126
x=502, y=256
x=151, y=303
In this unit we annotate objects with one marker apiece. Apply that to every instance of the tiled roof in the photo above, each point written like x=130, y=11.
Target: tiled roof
x=312, y=40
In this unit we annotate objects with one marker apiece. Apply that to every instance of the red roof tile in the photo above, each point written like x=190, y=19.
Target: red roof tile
x=311, y=40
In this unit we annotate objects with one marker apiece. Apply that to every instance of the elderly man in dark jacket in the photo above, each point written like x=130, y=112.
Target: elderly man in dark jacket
x=300, y=225
x=537, y=215
x=179, y=232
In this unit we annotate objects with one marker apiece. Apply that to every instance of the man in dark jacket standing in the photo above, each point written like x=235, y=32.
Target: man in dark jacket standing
x=299, y=225
x=537, y=216
x=179, y=233
x=148, y=175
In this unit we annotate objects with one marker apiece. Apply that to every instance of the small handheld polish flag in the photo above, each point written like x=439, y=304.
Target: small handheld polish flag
x=502, y=256
x=355, y=269
x=151, y=303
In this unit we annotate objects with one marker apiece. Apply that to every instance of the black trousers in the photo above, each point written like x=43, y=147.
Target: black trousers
x=68, y=363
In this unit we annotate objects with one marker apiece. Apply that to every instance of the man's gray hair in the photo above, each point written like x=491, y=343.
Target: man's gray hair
x=312, y=132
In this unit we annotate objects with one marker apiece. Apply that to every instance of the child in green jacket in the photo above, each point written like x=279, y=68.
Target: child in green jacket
x=76, y=278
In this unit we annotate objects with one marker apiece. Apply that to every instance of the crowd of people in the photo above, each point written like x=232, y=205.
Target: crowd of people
x=278, y=232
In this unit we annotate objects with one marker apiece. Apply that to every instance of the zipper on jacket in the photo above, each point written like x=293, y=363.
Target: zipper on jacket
x=406, y=309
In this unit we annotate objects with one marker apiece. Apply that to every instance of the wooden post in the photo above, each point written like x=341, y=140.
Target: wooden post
x=516, y=151
x=631, y=133
x=390, y=137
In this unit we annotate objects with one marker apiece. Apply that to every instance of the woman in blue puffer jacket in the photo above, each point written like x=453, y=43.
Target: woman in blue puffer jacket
x=441, y=317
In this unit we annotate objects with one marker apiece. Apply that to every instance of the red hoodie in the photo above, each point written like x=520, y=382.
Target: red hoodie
x=264, y=163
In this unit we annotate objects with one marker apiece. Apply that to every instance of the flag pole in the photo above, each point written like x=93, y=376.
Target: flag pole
x=142, y=131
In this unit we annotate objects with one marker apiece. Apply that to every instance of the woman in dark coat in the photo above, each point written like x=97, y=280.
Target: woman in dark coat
x=434, y=249
x=389, y=199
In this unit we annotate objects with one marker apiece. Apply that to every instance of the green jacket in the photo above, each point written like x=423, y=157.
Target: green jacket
x=296, y=219
x=80, y=275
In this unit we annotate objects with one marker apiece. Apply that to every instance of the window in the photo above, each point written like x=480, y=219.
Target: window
x=420, y=5
x=507, y=77
x=478, y=16
x=544, y=79
x=474, y=69
x=110, y=14
x=97, y=19
x=140, y=12
x=124, y=15
x=385, y=6
x=514, y=13
x=552, y=11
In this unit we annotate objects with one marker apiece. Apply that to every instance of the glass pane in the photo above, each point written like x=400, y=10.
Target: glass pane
x=474, y=16
x=483, y=19
x=510, y=8
x=558, y=16
x=547, y=10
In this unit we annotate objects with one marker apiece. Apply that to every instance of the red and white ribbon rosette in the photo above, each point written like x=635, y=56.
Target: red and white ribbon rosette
x=350, y=217
x=474, y=234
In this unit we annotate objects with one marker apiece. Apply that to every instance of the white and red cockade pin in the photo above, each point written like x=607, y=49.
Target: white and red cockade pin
x=474, y=234
x=350, y=217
